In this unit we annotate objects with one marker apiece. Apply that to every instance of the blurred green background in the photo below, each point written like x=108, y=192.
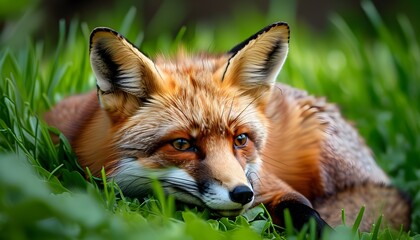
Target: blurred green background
x=363, y=55
x=40, y=18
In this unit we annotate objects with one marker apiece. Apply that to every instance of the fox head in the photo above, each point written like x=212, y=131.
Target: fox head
x=195, y=123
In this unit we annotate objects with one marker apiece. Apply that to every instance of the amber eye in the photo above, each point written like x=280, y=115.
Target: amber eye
x=241, y=140
x=181, y=144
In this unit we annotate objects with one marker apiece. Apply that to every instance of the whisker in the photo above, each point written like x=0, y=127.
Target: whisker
x=243, y=110
x=157, y=70
x=183, y=185
x=177, y=182
x=231, y=107
x=264, y=156
x=278, y=88
x=251, y=179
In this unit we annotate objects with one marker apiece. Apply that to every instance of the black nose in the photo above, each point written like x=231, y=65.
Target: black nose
x=241, y=194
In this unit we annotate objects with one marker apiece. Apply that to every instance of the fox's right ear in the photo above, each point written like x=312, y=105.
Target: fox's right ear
x=124, y=75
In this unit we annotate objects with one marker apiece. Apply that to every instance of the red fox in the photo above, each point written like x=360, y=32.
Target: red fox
x=218, y=131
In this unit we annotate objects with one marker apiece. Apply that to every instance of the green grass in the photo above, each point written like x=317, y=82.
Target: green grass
x=43, y=192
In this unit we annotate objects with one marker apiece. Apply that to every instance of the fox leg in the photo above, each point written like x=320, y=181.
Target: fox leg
x=377, y=198
x=278, y=196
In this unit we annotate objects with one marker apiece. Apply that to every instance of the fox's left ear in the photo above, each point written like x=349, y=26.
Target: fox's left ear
x=255, y=63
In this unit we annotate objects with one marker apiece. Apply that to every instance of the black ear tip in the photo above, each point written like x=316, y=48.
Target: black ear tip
x=301, y=214
x=103, y=29
x=98, y=30
x=241, y=45
x=276, y=24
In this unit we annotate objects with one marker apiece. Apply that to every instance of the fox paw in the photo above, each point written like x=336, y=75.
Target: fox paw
x=300, y=214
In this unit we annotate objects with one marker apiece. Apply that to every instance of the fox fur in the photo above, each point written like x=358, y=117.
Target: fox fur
x=217, y=131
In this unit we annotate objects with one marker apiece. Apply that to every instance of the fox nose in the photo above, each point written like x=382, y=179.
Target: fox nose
x=241, y=194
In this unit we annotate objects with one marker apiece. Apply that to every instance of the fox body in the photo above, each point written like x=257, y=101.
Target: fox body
x=217, y=131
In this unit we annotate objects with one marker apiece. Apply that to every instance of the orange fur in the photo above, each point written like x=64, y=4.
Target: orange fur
x=292, y=146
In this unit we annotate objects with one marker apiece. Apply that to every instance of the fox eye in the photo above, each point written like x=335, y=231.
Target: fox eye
x=241, y=140
x=181, y=144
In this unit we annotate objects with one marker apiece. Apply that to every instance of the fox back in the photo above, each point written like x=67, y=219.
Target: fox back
x=217, y=131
